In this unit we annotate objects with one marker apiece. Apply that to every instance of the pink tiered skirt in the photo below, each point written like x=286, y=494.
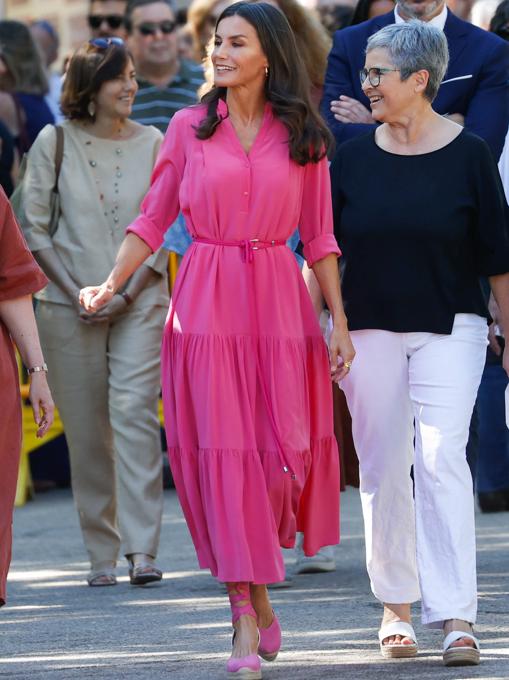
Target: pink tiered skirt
x=248, y=412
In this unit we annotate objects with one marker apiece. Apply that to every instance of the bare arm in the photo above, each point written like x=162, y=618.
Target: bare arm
x=51, y=264
x=18, y=317
x=327, y=275
x=500, y=287
x=313, y=287
x=133, y=252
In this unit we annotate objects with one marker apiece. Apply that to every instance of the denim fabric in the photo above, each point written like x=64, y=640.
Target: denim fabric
x=493, y=460
x=177, y=237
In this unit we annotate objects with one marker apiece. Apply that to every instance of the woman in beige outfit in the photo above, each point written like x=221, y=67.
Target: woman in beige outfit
x=104, y=367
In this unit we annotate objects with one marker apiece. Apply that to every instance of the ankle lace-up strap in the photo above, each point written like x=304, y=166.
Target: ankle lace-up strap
x=240, y=601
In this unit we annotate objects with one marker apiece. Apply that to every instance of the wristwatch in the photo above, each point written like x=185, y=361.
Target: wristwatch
x=38, y=369
x=128, y=299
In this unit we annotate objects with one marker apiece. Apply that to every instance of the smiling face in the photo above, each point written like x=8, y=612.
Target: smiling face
x=115, y=98
x=392, y=97
x=238, y=58
x=153, y=40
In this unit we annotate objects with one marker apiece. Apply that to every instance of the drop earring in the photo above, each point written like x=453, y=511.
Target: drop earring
x=91, y=109
x=266, y=71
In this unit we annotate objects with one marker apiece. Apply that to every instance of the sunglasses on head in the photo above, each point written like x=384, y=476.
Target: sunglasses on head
x=151, y=27
x=114, y=21
x=104, y=43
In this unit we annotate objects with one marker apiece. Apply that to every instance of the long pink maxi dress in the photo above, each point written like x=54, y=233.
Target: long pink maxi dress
x=245, y=371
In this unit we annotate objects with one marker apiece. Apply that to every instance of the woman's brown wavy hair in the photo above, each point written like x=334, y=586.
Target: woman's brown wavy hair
x=287, y=85
x=89, y=68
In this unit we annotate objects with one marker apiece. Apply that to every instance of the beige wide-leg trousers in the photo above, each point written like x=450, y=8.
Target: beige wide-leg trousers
x=105, y=382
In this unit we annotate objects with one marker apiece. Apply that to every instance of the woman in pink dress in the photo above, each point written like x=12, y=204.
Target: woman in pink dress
x=245, y=371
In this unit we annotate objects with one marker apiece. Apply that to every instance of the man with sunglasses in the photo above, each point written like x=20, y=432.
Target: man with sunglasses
x=474, y=91
x=166, y=83
x=106, y=18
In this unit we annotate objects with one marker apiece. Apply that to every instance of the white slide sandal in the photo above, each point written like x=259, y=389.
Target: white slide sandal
x=461, y=656
x=399, y=650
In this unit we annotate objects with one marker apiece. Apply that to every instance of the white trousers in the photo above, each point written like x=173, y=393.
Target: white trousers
x=422, y=385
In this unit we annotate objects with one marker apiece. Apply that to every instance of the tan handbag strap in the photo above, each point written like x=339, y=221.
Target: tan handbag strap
x=59, y=154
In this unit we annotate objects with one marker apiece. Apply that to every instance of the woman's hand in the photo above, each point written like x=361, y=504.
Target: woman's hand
x=340, y=346
x=42, y=403
x=93, y=298
x=116, y=306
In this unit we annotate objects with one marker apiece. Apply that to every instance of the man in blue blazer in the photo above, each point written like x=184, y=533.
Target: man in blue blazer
x=474, y=92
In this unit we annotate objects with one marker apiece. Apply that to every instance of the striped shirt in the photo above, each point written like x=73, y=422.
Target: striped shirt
x=157, y=105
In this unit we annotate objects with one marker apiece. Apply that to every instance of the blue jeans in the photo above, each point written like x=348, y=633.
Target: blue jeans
x=493, y=461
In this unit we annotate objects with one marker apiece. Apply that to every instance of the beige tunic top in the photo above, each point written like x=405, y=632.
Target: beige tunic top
x=101, y=185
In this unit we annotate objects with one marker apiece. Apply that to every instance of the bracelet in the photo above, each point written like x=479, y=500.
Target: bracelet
x=128, y=299
x=38, y=369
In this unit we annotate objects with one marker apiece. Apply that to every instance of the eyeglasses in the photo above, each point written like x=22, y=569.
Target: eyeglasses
x=151, y=27
x=374, y=74
x=114, y=21
x=104, y=43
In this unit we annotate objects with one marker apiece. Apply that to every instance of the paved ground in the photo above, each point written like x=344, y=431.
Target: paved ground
x=57, y=628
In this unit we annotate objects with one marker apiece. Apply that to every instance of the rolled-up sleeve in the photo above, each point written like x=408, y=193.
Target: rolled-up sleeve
x=315, y=223
x=160, y=206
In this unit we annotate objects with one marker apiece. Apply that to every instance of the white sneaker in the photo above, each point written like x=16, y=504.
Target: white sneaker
x=322, y=562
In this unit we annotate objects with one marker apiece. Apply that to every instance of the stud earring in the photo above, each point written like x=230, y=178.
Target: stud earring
x=91, y=109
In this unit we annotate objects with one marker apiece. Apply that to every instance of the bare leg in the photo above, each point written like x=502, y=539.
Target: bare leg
x=243, y=620
x=464, y=626
x=397, y=612
x=261, y=603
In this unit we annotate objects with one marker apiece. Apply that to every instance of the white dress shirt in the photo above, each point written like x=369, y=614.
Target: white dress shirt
x=438, y=21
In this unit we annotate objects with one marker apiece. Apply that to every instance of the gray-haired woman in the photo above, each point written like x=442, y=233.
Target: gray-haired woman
x=419, y=215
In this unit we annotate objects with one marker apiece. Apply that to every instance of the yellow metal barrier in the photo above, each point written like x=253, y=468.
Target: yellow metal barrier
x=173, y=265
x=25, y=487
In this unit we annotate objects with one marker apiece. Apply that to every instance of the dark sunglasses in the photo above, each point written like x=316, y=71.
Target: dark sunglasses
x=151, y=27
x=104, y=43
x=114, y=21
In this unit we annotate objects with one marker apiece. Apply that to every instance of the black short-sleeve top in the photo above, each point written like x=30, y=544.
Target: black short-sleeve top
x=417, y=233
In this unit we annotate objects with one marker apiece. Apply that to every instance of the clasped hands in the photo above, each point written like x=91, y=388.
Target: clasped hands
x=97, y=304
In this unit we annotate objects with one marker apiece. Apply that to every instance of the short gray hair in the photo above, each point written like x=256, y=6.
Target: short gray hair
x=412, y=46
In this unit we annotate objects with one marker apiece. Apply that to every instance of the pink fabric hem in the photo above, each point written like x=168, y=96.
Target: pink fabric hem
x=241, y=507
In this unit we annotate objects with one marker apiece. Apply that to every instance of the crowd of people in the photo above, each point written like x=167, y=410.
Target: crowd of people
x=210, y=133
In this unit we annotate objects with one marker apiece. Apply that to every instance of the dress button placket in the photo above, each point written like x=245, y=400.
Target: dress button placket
x=247, y=187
